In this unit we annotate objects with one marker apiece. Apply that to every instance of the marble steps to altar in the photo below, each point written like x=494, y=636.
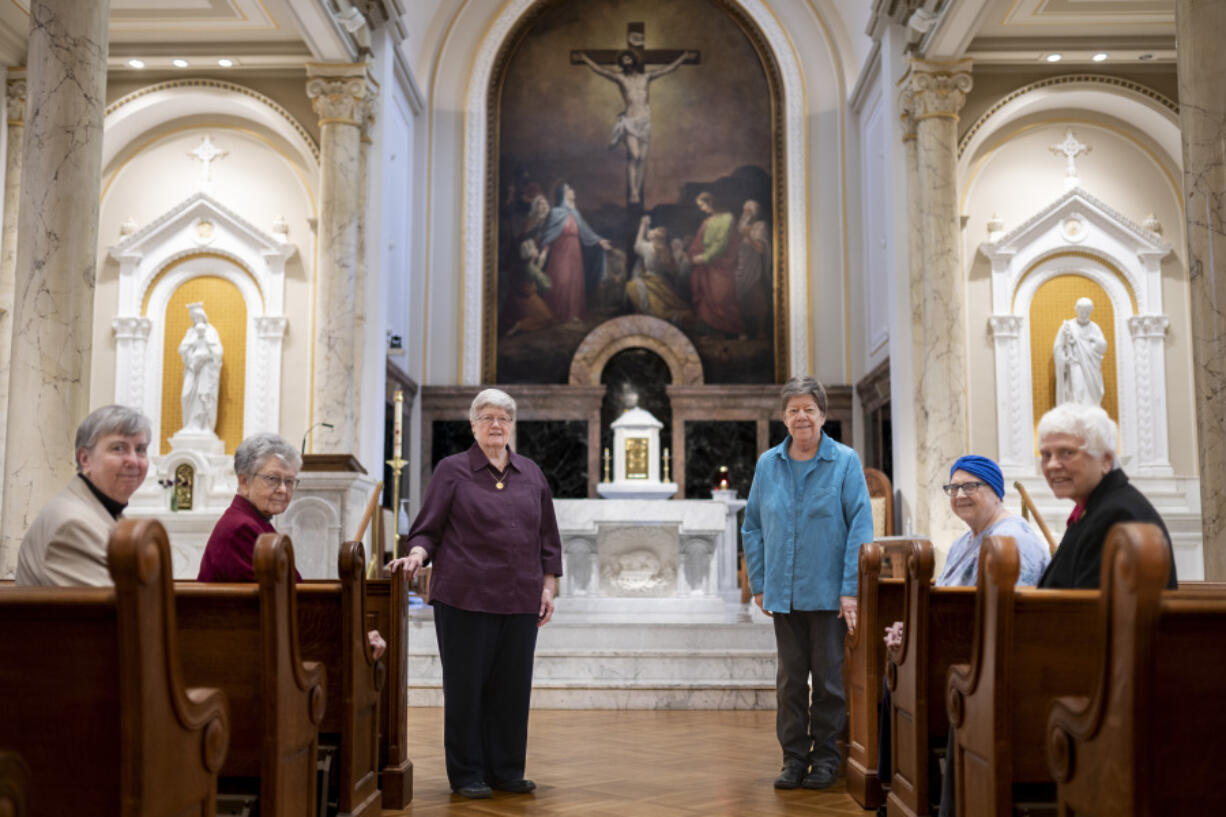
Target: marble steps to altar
x=628, y=666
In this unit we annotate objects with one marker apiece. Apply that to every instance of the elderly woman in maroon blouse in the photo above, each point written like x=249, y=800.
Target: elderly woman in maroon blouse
x=487, y=526
x=267, y=468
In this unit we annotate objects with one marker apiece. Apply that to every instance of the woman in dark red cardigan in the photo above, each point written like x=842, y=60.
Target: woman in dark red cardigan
x=267, y=468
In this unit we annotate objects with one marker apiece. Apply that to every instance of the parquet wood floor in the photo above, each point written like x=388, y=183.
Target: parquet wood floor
x=602, y=763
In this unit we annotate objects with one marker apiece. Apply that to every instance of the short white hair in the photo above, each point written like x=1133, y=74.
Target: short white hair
x=257, y=449
x=1091, y=424
x=492, y=397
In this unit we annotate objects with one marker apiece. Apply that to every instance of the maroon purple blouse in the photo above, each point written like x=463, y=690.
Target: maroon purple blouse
x=228, y=556
x=490, y=549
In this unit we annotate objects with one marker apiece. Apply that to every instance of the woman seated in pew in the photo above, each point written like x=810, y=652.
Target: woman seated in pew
x=267, y=469
x=976, y=492
x=1077, y=452
x=66, y=544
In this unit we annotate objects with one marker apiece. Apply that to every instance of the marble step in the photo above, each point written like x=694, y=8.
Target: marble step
x=586, y=694
x=563, y=635
x=645, y=666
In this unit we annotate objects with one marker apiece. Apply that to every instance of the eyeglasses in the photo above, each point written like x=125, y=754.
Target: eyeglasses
x=964, y=488
x=273, y=482
x=493, y=419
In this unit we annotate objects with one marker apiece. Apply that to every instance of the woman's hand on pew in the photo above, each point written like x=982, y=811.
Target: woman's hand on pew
x=893, y=636
x=412, y=563
x=377, y=645
x=847, y=612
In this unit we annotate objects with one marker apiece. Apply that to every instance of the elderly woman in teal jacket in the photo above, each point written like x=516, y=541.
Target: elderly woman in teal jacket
x=808, y=514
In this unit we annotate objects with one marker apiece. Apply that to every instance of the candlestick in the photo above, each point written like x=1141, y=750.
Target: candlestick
x=397, y=422
x=666, y=479
x=607, y=459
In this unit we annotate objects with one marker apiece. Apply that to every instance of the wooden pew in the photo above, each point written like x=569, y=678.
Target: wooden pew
x=937, y=628
x=387, y=610
x=880, y=605
x=1029, y=647
x=243, y=638
x=14, y=785
x=94, y=699
x=332, y=630
x=1145, y=741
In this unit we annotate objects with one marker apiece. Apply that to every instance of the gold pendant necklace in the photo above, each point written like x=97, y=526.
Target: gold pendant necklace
x=499, y=481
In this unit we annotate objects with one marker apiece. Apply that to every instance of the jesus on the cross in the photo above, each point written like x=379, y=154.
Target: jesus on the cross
x=633, y=125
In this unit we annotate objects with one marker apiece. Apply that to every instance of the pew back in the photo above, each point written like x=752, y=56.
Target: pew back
x=1029, y=647
x=100, y=668
x=937, y=627
x=332, y=631
x=880, y=602
x=1144, y=741
x=387, y=610
x=243, y=638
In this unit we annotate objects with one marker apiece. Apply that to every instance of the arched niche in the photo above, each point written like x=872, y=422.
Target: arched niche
x=1080, y=235
x=199, y=237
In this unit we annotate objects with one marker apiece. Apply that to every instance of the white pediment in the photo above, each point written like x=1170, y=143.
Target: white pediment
x=1078, y=222
x=200, y=224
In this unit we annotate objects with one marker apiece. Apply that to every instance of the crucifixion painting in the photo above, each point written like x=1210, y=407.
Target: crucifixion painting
x=584, y=230
x=632, y=127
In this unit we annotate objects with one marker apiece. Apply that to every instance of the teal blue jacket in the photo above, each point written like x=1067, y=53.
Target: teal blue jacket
x=802, y=553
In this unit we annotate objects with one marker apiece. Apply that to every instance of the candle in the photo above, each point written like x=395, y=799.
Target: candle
x=397, y=431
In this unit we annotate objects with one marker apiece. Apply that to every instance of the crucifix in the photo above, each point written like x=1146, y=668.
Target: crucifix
x=1070, y=149
x=206, y=153
x=633, y=125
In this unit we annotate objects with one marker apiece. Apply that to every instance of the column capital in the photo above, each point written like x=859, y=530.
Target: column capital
x=906, y=114
x=936, y=89
x=15, y=96
x=340, y=93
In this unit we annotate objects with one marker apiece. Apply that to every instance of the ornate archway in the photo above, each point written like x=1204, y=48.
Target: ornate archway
x=631, y=331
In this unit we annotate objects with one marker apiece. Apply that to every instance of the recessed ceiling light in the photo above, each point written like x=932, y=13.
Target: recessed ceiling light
x=225, y=62
x=1101, y=56
x=1054, y=57
x=134, y=63
x=179, y=63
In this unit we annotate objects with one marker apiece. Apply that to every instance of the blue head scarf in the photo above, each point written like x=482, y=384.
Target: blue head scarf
x=984, y=468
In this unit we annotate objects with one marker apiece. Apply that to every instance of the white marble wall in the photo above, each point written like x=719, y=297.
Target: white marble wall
x=340, y=95
x=1200, y=31
x=15, y=101
x=58, y=224
x=933, y=95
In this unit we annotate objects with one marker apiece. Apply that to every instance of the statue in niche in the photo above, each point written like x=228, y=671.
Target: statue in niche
x=201, y=352
x=1078, y=353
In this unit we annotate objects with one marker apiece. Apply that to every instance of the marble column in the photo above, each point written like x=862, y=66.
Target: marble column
x=340, y=95
x=15, y=102
x=53, y=303
x=1200, y=27
x=934, y=93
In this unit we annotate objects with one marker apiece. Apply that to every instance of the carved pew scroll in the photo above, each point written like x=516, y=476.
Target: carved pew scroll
x=243, y=638
x=880, y=604
x=937, y=627
x=387, y=610
x=332, y=629
x=99, y=669
x=1029, y=647
x=1147, y=739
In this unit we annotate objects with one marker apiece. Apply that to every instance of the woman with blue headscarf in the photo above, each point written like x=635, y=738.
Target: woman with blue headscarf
x=976, y=491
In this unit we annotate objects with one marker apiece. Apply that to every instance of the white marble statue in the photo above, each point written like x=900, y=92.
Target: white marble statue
x=201, y=352
x=1078, y=353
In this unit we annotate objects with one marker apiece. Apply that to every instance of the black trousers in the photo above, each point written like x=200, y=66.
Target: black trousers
x=487, y=686
x=810, y=643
